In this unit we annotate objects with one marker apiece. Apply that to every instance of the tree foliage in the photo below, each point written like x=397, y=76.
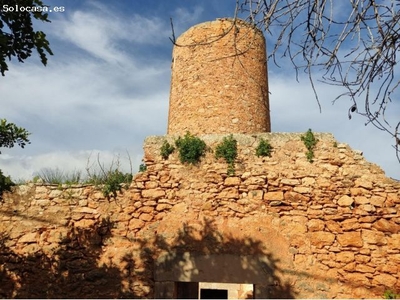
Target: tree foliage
x=17, y=36
x=11, y=134
x=354, y=43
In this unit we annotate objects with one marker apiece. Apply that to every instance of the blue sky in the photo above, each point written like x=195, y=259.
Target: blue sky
x=107, y=87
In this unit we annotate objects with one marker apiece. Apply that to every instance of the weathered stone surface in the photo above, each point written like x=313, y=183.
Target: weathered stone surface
x=299, y=216
x=345, y=256
x=386, y=226
x=153, y=193
x=316, y=225
x=384, y=279
x=374, y=237
x=345, y=201
x=232, y=181
x=350, y=239
x=273, y=196
x=321, y=238
x=29, y=238
x=394, y=241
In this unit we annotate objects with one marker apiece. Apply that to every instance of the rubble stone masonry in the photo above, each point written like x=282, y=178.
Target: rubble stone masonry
x=328, y=229
x=219, y=80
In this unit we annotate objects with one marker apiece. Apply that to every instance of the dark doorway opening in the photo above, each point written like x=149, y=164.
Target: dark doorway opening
x=213, y=294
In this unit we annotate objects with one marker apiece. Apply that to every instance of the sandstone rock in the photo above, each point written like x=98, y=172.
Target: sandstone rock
x=357, y=278
x=153, y=193
x=162, y=207
x=362, y=259
x=30, y=237
x=179, y=208
x=361, y=200
x=270, y=196
x=350, y=239
x=350, y=224
x=377, y=201
x=232, y=181
x=146, y=217
x=385, y=280
x=135, y=224
x=374, y=237
x=151, y=185
x=321, y=238
x=291, y=182
x=302, y=190
x=296, y=197
x=316, y=225
x=333, y=226
x=345, y=201
x=364, y=269
x=345, y=256
x=394, y=241
x=229, y=193
x=360, y=182
x=386, y=226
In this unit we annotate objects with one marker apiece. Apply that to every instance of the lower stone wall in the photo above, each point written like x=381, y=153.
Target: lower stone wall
x=292, y=228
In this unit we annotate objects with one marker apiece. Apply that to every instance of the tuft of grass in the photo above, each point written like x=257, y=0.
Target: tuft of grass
x=57, y=176
x=109, y=180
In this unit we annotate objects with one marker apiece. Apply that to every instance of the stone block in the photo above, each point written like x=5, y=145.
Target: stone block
x=393, y=241
x=232, y=181
x=384, y=279
x=350, y=239
x=374, y=237
x=345, y=201
x=386, y=226
x=321, y=238
x=345, y=256
x=273, y=196
x=316, y=225
x=153, y=193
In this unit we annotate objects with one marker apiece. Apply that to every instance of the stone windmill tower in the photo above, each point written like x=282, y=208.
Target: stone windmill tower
x=219, y=80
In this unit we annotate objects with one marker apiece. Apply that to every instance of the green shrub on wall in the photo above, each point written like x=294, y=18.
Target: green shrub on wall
x=310, y=142
x=227, y=150
x=389, y=294
x=166, y=149
x=191, y=148
x=5, y=184
x=264, y=148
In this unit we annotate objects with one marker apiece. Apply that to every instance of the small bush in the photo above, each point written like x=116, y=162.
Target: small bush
x=109, y=180
x=166, y=150
x=264, y=148
x=190, y=148
x=114, y=181
x=389, y=294
x=142, y=167
x=309, y=141
x=227, y=149
x=5, y=184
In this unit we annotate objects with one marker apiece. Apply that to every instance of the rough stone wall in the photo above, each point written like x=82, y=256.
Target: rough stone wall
x=219, y=80
x=321, y=230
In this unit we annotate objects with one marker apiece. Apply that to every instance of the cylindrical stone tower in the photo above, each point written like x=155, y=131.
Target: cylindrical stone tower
x=219, y=80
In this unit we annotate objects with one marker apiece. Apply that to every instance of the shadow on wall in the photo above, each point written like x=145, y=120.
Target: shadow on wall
x=77, y=267
x=200, y=253
x=71, y=271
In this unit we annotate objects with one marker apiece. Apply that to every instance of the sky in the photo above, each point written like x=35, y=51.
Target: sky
x=107, y=88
